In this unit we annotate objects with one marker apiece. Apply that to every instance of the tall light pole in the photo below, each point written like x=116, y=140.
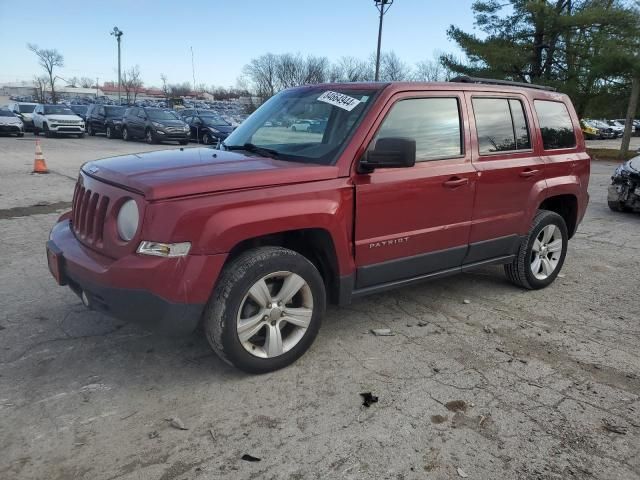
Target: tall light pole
x=382, y=6
x=118, y=33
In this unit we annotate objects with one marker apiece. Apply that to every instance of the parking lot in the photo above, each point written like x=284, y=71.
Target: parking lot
x=481, y=379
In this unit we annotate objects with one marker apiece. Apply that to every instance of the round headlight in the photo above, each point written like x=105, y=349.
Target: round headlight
x=128, y=219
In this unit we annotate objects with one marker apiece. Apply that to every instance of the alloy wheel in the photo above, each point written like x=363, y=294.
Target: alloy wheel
x=546, y=252
x=274, y=314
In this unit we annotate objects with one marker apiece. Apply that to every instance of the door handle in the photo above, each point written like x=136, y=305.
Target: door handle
x=529, y=172
x=456, y=182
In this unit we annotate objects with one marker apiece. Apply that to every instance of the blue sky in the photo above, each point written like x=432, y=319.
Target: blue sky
x=224, y=34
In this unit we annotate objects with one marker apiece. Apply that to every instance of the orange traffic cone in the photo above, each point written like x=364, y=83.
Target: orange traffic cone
x=39, y=165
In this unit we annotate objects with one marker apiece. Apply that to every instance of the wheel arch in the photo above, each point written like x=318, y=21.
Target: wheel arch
x=565, y=205
x=315, y=244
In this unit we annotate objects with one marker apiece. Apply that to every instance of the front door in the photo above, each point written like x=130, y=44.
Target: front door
x=413, y=222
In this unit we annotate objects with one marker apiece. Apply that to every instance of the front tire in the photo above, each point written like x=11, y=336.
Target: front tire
x=541, y=253
x=125, y=134
x=81, y=135
x=184, y=142
x=206, y=139
x=47, y=132
x=90, y=130
x=150, y=137
x=266, y=309
x=109, y=132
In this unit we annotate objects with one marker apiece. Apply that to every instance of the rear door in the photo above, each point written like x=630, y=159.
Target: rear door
x=412, y=222
x=510, y=173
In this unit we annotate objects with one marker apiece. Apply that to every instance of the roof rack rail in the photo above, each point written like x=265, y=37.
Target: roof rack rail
x=491, y=81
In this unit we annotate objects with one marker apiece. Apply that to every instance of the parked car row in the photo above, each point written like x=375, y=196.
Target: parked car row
x=152, y=124
x=606, y=129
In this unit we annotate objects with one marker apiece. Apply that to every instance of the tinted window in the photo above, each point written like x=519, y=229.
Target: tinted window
x=26, y=108
x=555, y=125
x=434, y=123
x=6, y=113
x=501, y=125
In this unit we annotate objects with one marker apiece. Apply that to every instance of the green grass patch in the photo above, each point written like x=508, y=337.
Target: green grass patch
x=609, y=154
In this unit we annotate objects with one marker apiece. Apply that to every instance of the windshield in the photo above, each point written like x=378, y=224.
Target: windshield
x=6, y=113
x=57, y=110
x=26, y=108
x=115, y=111
x=159, y=114
x=304, y=125
x=214, y=120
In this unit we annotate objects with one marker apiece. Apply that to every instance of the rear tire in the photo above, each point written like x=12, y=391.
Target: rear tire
x=540, y=259
x=125, y=134
x=90, y=130
x=109, y=132
x=616, y=206
x=247, y=297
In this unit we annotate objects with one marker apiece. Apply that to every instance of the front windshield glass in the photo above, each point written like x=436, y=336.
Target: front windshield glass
x=26, y=108
x=213, y=120
x=304, y=125
x=6, y=113
x=159, y=114
x=114, y=111
x=57, y=110
x=79, y=108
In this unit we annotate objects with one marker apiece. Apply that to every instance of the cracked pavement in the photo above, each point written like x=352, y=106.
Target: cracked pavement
x=514, y=384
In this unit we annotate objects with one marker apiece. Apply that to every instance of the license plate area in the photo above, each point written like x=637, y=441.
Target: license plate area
x=56, y=263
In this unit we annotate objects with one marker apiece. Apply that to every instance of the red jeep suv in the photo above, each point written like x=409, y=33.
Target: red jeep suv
x=402, y=182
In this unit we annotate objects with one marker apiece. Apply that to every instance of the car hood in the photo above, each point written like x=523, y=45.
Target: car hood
x=222, y=128
x=10, y=120
x=170, y=123
x=183, y=172
x=55, y=117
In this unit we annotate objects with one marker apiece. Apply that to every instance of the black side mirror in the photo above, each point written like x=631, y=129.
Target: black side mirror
x=393, y=152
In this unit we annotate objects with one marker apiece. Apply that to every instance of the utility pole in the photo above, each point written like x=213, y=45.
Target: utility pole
x=97, y=83
x=382, y=6
x=118, y=33
x=193, y=70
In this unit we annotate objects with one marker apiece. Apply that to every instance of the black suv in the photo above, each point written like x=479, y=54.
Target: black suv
x=209, y=128
x=154, y=125
x=105, y=119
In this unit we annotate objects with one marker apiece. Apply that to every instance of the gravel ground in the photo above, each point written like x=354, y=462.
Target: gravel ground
x=509, y=385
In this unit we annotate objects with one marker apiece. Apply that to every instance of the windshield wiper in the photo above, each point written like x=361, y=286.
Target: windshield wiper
x=250, y=147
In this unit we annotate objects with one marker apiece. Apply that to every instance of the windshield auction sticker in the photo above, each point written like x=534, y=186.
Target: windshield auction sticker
x=339, y=100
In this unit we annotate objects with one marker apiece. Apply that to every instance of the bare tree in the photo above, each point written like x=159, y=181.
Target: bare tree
x=48, y=59
x=86, y=82
x=315, y=70
x=40, y=89
x=180, y=89
x=73, y=82
x=132, y=83
x=261, y=73
x=431, y=71
x=165, y=87
x=351, y=69
x=392, y=68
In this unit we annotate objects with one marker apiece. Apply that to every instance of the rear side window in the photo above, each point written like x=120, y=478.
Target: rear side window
x=434, y=123
x=501, y=125
x=555, y=125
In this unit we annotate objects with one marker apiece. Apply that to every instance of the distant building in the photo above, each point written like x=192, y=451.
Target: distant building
x=23, y=89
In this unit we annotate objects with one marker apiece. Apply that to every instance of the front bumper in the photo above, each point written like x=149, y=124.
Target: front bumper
x=60, y=128
x=166, y=295
x=11, y=129
x=164, y=135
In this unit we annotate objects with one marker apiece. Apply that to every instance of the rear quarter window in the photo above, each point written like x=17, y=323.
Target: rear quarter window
x=556, y=127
